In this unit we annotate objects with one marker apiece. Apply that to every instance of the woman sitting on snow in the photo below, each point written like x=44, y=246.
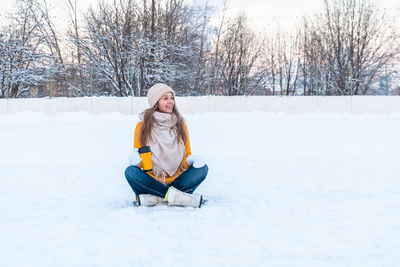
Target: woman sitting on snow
x=172, y=174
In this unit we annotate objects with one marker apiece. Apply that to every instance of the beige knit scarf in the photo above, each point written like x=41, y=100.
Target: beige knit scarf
x=168, y=152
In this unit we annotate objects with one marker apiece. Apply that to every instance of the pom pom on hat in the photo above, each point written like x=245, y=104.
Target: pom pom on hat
x=156, y=92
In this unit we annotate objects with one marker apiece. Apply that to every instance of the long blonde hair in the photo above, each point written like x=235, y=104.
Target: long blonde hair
x=147, y=125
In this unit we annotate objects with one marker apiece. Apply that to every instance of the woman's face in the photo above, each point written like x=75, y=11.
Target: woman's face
x=166, y=103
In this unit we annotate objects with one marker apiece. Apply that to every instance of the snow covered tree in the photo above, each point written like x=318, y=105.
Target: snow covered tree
x=129, y=45
x=353, y=41
x=77, y=82
x=238, y=50
x=31, y=52
x=23, y=52
x=280, y=61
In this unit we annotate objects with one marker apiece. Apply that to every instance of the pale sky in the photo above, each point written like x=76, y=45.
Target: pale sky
x=261, y=13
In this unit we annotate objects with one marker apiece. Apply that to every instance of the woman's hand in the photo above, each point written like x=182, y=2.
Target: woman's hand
x=196, y=160
x=134, y=158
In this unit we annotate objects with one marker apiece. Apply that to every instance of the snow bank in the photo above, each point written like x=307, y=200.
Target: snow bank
x=275, y=104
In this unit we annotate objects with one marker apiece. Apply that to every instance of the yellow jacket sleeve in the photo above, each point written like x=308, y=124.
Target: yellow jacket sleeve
x=136, y=141
x=187, y=147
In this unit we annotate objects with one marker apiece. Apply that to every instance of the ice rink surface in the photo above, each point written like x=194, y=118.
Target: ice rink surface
x=283, y=190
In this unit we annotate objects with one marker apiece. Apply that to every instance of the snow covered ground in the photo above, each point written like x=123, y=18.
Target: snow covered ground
x=299, y=190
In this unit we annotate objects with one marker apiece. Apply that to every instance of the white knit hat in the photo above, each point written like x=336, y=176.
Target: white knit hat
x=156, y=92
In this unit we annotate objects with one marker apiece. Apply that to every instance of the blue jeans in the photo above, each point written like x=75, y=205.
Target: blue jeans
x=142, y=183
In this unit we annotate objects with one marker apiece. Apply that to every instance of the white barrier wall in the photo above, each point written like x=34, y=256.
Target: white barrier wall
x=272, y=104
